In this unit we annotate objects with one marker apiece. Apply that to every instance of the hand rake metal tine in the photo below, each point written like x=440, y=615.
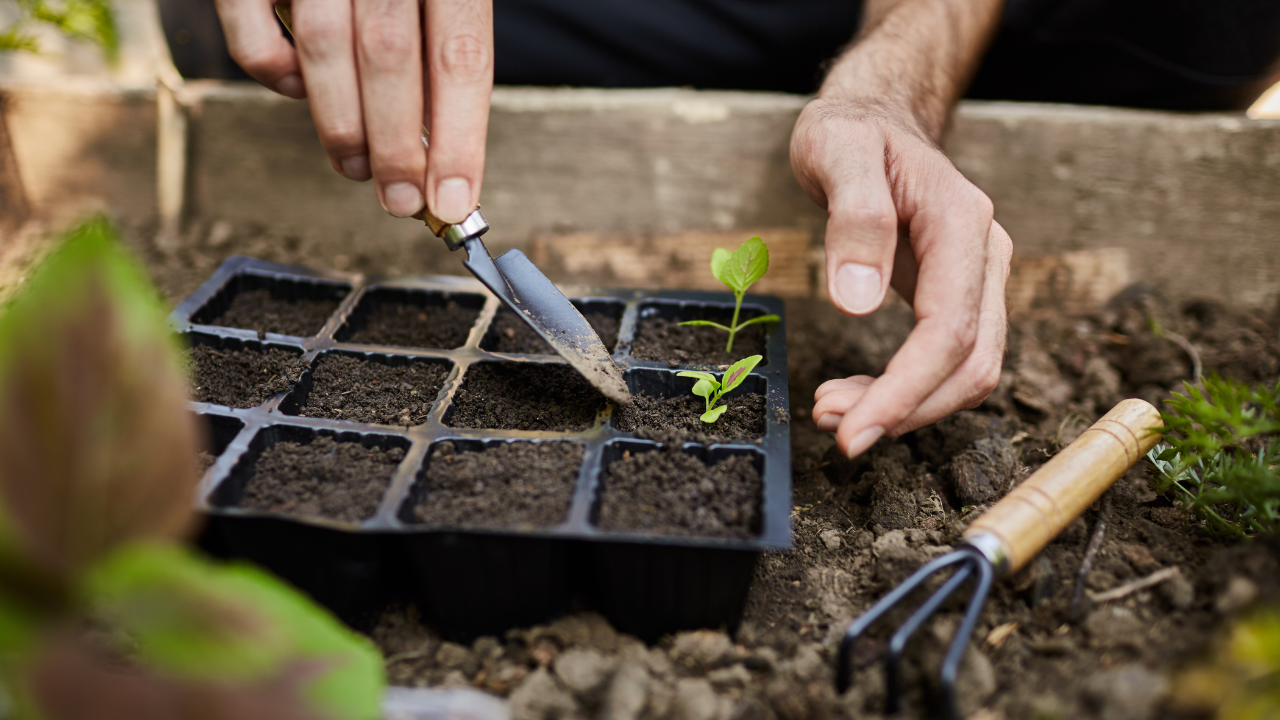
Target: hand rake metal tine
x=951, y=665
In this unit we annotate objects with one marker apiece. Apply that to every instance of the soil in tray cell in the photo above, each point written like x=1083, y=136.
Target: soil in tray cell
x=661, y=338
x=241, y=378
x=218, y=432
x=679, y=419
x=323, y=478
x=406, y=324
x=510, y=334
x=669, y=492
x=524, y=396
x=344, y=387
x=260, y=310
x=521, y=485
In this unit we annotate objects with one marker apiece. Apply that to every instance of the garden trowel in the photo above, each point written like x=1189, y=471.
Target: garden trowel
x=531, y=296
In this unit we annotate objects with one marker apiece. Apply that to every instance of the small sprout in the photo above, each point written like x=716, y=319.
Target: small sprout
x=712, y=390
x=739, y=270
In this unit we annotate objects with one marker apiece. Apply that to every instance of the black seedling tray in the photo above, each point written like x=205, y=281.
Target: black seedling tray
x=475, y=581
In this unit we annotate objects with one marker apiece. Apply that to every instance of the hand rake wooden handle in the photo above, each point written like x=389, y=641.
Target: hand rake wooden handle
x=1032, y=515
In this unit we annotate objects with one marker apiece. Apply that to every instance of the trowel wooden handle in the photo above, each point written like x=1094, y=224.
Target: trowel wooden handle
x=1033, y=514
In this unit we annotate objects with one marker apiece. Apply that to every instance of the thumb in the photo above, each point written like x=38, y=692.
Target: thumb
x=862, y=235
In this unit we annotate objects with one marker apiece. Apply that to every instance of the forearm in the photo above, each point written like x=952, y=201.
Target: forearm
x=916, y=56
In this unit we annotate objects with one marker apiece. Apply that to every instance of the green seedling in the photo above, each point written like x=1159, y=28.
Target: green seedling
x=712, y=390
x=739, y=270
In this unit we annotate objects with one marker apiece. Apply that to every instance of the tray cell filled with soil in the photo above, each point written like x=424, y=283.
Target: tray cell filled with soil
x=660, y=337
x=318, y=474
x=509, y=334
x=412, y=319
x=495, y=484
x=299, y=307
x=664, y=408
x=218, y=431
x=669, y=490
x=241, y=373
x=524, y=396
x=370, y=388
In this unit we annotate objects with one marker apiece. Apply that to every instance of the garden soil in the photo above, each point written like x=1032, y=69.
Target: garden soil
x=667, y=341
x=676, y=420
x=241, y=378
x=259, y=310
x=350, y=388
x=524, y=396
x=404, y=325
x=861, y=526
x=344, y=480
x=510, y=334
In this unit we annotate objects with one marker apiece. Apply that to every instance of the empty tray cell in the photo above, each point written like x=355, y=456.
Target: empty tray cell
x=287, y=306
x=241, y=373
x=369, y=388
x=664, y=408
x=522, y=485
x=509, y=334
x=218, y=432
x=666, y=490
x=412, y=318
x=304, y=472
x=659, y=335
x=524, y=396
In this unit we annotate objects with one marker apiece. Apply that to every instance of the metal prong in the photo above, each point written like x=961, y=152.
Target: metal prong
x=898, y=643
x=951, y=665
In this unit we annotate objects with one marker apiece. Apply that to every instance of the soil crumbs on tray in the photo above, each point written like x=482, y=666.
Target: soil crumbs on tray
x=323, y=478
x=669, y=492
x=679, y=419
x=519, y=485
x=510, y=334
x=429, y=326
x=524, y=396
x=241, y=378
x=349, y=388
x=259, y=310
x=861, y=526
x=666, y=341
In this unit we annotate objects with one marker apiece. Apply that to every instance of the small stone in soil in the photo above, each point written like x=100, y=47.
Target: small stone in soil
x=668, y=492
x=323, y=478
x=259, y=310
x=510, y=334
x=679, y=419
x=350, y=388
x=428, y=326
x=517, y=485
x=667, y=341
x=523, y=396
x=241, y=378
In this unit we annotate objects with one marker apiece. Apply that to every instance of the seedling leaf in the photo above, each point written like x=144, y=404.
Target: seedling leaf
x=761, y=320
x=746, y=265
x=718, y=258
x=705, y=323
x=703, y=388
x=696, y=374
x=738, y=372
x=714, y=413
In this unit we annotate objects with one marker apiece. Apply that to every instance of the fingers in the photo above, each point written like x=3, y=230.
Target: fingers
x=862, y=232
x=324, y=31
x=256, y=43
x=460, y=60
x=388, y=49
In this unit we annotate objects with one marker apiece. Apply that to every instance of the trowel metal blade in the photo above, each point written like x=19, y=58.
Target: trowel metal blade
x=523, y=288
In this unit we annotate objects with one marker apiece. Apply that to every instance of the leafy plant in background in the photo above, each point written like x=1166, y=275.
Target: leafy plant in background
x=739, y=270
x=1241, y=681
x=1220, y=455
x=102, y=613
x=710, y=389
x=90, y=20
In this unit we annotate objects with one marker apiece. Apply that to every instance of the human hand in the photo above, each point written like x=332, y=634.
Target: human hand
x=901, y=214
x=361, y=64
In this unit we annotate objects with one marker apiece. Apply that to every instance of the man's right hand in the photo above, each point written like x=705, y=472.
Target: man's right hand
x=360, y=62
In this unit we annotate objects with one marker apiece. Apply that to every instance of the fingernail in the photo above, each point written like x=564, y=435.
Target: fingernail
x=857, y=288
x=864, y=440
x=402, y=199
x=453, y=200
x=357, y=168
x=291, y=86
x=829, y=422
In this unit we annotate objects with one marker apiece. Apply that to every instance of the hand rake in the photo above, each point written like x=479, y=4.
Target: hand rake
x=1006, y=537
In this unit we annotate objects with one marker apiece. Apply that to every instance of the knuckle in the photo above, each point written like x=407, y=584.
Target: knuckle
x=465, y=57
x=986, y=380
x=962, y=335
x=317, y=33
x=880, y=220
x=387, y=46
x=342, y=137
x=257, y=60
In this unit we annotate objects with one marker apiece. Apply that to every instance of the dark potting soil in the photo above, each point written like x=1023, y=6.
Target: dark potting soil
x=429, y=326
x=350, y=388
x=259, y=310
x=510, y=334
x=522, y=396
x=519, y=485
x=679, y=419
x=667, y=341
x=323, y=478
x=241, y=378
x=204, y=461
x=860, y=526
x=671, y=493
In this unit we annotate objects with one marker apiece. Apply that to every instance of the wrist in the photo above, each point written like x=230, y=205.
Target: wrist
x=867, y=78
